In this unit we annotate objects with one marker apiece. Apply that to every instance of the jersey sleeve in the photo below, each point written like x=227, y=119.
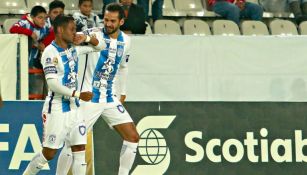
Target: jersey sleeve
x=21, y=27
x=49, y=61
x=123, y=70
x=95, y=32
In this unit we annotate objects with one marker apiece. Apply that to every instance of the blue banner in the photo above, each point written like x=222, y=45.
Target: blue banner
x=21, y=129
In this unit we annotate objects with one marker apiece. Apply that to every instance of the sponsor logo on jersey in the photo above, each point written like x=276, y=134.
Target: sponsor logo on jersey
x=51, y=139
x=55, y=61
x=48, y=60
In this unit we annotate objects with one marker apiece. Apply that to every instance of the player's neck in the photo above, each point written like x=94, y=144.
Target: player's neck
x=114, y=35
x=60, y=42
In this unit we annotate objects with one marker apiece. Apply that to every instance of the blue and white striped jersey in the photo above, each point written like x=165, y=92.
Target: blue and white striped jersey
x=62, y=64
x=106, y=68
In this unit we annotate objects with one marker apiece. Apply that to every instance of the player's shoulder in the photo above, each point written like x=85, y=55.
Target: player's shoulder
x=49, y=50
x=127, y=39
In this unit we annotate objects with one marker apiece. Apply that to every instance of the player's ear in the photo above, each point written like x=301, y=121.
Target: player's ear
x=121, y=22
x=60, y=29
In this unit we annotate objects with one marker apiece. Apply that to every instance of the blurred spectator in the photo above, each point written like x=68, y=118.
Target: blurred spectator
x=85, y=18
x=299, y=9
x=56, y=8
x=33, y=25
x=236, y=9
x=157, y=8
x=134, y=18
x=105, y=3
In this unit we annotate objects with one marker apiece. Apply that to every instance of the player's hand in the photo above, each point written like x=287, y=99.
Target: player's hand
x=122, y=99
x=79, y=38
x=86, y=96
x=34, y=36
x=41, y=46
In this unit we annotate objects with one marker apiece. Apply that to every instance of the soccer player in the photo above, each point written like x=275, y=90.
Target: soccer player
x=100, y=74
x=60, y=119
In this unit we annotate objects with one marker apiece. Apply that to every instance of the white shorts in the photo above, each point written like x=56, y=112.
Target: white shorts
x=60, y=127
x=113, y=113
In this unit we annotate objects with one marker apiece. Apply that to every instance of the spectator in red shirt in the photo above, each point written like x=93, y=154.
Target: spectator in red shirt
x=236, y=9
x=33, y=25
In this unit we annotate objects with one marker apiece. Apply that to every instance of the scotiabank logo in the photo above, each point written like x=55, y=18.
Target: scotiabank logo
x=292, y=149
x=152, y=146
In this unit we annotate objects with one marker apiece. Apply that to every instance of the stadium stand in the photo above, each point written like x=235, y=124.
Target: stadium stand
x=71, y=6
x=283, y=27
x=167, y=27
x=13, y=7
x=225, y=27
x=169, y=9
x=254, y=28
x=44, y=3
x=190, y=7
x=148, y=29
x=8, y=24
x=196, y=27
x=303, y=28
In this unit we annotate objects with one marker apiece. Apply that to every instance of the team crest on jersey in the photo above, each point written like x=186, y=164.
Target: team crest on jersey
x=55, y=61
x=121, y=108
x=48, y=60
x=120, y=52
x=82, y=130
x=51, y=139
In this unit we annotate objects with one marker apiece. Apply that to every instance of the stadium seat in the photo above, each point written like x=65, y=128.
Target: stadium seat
x=148, y=28
x=190, y=7
x=275, y=8
x=283, y=27
x=97, y=6
x=303, y=28
x=32, y=3
x=8, y=24
x=225, y=27
x=253, y=1
x=71, y=6
x=167, y=27
x=254, y=28
x=13, y=6
x=196, y=27
x=169, y=10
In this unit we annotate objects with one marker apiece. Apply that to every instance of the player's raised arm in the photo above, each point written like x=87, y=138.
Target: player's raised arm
x=95, y=44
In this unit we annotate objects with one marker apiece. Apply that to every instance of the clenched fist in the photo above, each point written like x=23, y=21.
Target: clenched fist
x=86, y=96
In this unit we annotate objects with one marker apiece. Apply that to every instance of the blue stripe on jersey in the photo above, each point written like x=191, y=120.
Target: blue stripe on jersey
x=100, y=70
x=65, y=105
x=120, y=48
x=66, y=80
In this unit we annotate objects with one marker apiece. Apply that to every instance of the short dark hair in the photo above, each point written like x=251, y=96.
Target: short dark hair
x=61, y=21
x=82, y=1
x=56, y=4
x=116, y=7
x=36, y=10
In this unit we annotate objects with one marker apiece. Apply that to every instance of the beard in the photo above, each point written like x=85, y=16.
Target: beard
x=110, y=31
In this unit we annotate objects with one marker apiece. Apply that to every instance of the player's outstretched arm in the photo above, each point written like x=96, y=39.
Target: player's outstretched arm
x=96, y=45
x=56, y=87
